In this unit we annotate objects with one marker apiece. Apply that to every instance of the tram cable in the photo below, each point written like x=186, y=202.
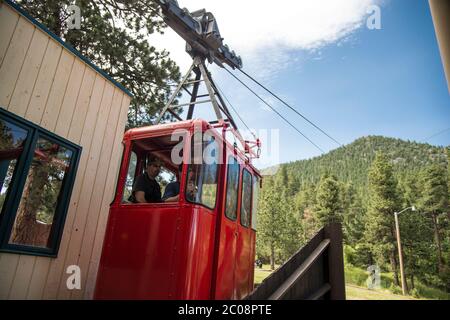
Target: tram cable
x=290, y=107
x=274, y=110
x=437, y=134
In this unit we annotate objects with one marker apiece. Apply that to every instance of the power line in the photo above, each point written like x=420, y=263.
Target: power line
x=290, y=107
x=437, y=134
x=273, y=109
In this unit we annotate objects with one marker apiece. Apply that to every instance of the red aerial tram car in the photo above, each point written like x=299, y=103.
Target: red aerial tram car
x=201, y=247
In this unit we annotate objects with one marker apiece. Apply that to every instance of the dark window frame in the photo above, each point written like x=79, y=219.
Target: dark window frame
x=121, y=198
x=249, y=218
x=14, y=195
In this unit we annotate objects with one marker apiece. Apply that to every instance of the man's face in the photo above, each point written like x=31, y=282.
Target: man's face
x=153, y=170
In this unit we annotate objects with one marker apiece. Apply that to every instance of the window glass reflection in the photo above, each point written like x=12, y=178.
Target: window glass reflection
x=12, y=140
x=41, y=192
x=201, y=184
x=246, y=198
x=232, y=188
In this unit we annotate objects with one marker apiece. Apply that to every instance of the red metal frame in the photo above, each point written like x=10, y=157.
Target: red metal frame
x=177, y=250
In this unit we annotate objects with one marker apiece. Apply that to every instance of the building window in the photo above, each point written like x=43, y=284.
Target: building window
x=37, y=172
x=246, y=201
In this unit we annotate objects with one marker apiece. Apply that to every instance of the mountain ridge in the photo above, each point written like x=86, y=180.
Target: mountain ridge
x=350, y=163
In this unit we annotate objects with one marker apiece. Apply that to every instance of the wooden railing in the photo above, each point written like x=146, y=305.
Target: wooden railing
x=315, y=272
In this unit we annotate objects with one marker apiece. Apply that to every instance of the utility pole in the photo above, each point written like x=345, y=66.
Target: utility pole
x=400, y=255
x=399, y=245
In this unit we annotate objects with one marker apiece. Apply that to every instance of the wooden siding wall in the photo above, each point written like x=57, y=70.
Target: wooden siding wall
x=47, y=84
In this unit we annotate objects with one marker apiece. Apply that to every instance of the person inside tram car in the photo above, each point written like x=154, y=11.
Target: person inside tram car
x=145, y=188
x=172, y=191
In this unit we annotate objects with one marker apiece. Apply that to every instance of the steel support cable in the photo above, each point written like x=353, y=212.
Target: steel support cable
x=437, y=134
x=290, y=107
x=273, y=109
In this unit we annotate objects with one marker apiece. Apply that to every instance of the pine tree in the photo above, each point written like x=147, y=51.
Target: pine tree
x=353, y=215
x=291, y=235
x=416, y=232
x=304, y=202
x=328, y=201
x=383, y=202
x=448, y=179
x=271, y=222
x=434, y=201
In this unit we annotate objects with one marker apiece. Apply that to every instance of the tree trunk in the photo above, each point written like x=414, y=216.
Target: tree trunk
x=272, y=257
x=26, y=230
x=412, y=282
x=56, y=11
x=393, y=258
x=438, y=241
x=394, y=267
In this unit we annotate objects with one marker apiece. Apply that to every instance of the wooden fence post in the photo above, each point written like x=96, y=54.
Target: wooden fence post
x=333, y=232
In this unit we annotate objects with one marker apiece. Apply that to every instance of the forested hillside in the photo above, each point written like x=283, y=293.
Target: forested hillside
x=350, y=163
x=361, y=185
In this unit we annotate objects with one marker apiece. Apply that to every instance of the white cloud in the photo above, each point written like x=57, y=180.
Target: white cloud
x=266, y=33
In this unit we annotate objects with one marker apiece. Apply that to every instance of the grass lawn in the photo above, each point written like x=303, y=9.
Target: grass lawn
x=261, y=274
x=354, y=276
x=359, y=293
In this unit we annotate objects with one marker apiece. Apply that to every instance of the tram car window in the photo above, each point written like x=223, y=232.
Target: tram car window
x=232, y=188
x=202, y=176
x=246, y=198
x=256, y=186
x=149, y=148
x=130, y=177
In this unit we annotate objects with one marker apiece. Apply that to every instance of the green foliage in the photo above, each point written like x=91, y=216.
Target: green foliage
x=114, y=36
x=328, y=203
x=363, y=184
x=353, y=215
x=358, y=276
x=351, y=162
x=434, y=183
x=279, y=231
x=383, y=202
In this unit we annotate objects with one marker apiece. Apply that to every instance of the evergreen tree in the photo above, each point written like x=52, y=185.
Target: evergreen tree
x=282, y=178
x=291, y=236
x=434, y=201
x=448, y=178
x=353, y=215
x=304, y=202
x=293, y=186
x=328, y=203
x=271, y=221
x=383, y=202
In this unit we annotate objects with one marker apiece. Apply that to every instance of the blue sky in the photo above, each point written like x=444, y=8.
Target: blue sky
x=352, y=82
